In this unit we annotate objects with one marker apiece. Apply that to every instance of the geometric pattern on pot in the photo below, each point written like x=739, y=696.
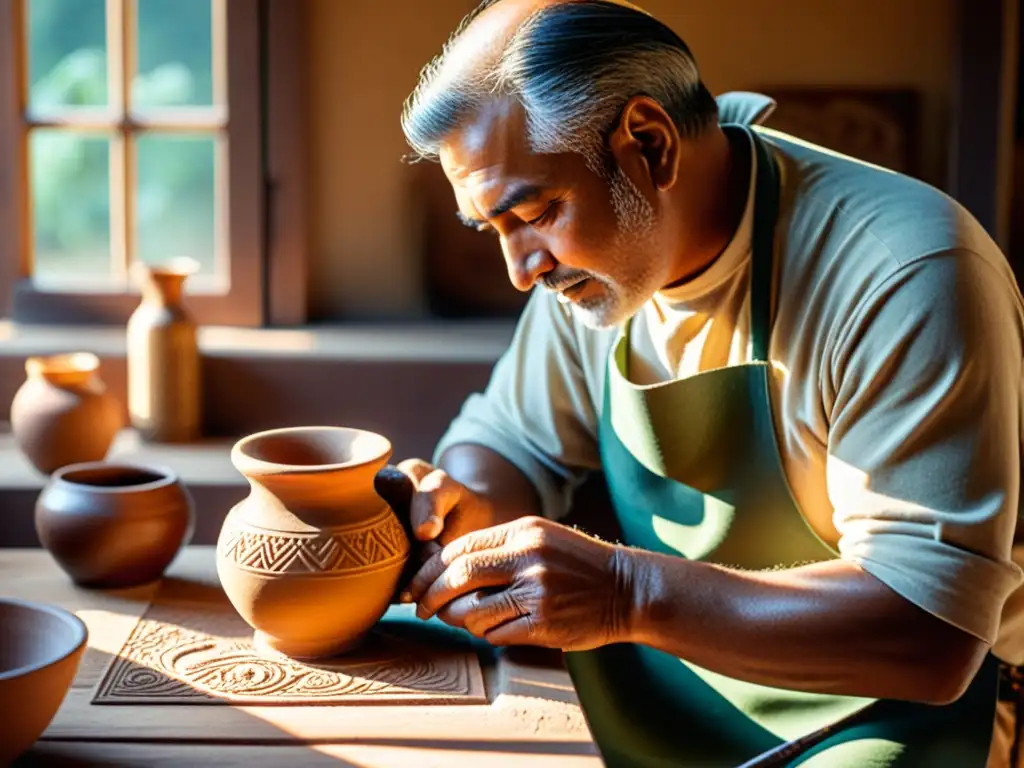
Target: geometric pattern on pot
x=327, y=552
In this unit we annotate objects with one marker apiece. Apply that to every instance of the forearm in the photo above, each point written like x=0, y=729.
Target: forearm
x=827, y=628
x=490, y=475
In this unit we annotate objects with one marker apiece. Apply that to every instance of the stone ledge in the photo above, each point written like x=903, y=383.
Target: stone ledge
x=407, y=382
x=204, y=467
x=470, y=342
x=207, y=462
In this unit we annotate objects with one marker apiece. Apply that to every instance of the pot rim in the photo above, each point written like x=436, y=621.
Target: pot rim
x=71, y=620
x=166, y=476
x=63, y=363
x=250, y=465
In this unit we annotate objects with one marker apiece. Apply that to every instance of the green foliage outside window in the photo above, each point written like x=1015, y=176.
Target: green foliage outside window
x=69, y=175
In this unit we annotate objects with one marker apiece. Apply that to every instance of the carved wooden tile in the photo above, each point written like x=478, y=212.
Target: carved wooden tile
x=202, y=653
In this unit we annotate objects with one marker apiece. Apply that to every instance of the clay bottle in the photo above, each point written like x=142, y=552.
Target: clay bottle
x=163, y=357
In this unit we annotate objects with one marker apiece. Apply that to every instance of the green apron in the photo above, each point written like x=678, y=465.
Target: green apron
x=693, y=470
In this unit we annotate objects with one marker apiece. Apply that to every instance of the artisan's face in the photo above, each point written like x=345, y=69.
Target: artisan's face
x=560, y=224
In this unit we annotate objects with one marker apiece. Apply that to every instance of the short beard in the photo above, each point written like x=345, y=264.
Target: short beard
x=635, y=281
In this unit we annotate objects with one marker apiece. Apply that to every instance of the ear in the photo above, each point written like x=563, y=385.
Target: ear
x=647, y=141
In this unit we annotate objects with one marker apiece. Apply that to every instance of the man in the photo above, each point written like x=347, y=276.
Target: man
x=799, y=374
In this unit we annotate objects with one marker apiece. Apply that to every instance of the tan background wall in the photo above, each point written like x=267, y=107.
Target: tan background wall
x=364, y=56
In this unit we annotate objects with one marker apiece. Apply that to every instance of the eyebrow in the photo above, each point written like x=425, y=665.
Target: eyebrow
x=513, y=197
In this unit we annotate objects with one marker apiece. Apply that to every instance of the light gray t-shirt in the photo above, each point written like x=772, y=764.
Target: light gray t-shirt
x=897, y=347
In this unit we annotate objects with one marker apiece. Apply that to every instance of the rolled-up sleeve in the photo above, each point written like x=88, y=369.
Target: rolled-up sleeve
x=925, y=436
x=536, y=410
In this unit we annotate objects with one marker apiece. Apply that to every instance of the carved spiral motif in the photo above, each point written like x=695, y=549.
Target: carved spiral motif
x=178, y=656
x=380, y=541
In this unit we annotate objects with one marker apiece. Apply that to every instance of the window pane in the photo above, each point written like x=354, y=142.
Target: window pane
x=175, y=204
x=67, y=52
x=70, y=181
x=175, y=54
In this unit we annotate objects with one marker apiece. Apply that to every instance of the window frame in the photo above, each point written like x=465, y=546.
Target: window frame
x=266, y=173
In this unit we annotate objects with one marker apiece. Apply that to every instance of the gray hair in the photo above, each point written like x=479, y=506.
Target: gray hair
x=573, y=66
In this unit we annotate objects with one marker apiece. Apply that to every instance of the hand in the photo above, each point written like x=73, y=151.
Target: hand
x=433, y=509
x=438, y=508
x=528, y=582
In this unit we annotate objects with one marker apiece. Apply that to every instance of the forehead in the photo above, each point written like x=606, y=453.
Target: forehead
x=492, y=145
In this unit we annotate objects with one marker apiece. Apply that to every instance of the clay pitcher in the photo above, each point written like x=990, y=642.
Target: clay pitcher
x=311, y=558
x=163, y=357
x=63, y=413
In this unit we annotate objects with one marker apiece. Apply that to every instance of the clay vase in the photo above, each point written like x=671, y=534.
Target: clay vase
x=63, y=413
x=311, y=558
x=114, y=525
x=163, y=357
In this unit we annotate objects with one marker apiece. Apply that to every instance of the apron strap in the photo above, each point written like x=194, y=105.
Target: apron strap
x=766, y=211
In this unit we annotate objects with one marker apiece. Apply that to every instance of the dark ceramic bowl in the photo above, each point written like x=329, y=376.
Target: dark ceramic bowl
x=40, y=650
x=114, y=525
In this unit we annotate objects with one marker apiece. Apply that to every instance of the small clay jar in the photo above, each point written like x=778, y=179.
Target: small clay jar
x=312, y=557
x=114, y=525
x=63, y=413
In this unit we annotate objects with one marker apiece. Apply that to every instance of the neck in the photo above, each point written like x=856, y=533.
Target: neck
x=713, y=201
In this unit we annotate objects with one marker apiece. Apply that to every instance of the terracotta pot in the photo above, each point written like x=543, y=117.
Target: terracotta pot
x=63, y=413
x=114, y=525
x=41, y=647
x=311, y=558
x=163, y=357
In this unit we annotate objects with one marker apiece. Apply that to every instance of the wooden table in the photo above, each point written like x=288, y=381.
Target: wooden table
x=532, y=717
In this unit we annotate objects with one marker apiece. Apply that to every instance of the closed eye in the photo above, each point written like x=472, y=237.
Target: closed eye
x=547, y=215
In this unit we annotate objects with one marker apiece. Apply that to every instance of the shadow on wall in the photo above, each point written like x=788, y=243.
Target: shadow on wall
x=464, y=271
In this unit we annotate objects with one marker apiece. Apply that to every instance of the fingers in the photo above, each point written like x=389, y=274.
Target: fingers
x=481, y=611
x=521, y=631
x=436, y=566
x=436, y=495
x=478, y=570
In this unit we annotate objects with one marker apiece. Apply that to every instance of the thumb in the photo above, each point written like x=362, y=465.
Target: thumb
x=397, y=489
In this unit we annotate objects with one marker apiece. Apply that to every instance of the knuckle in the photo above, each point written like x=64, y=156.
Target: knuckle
x=534, y=533
x=459, y=573
x=434, y=481
x=476, y=626
x=454, y=551
x=414, y=467
x=532, y=522
x=543, y=577
x=540, y=576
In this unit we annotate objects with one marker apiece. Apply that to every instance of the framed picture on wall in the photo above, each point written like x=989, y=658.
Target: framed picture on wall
x=876, y=125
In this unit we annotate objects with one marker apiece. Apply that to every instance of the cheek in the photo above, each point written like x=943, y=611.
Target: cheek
x=582, y=241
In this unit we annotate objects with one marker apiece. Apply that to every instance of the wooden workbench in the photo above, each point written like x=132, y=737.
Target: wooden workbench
x=531, y=718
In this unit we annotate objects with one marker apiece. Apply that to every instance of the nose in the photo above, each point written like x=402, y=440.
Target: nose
x=526, y=265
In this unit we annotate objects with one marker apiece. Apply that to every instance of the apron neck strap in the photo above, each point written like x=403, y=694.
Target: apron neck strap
x=766, y=212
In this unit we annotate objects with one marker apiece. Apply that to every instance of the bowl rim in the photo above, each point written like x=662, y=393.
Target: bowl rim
x=72, y=620
x=167, y=476
x=250, y=465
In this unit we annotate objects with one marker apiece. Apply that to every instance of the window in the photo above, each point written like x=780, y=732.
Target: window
x=130, y=131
